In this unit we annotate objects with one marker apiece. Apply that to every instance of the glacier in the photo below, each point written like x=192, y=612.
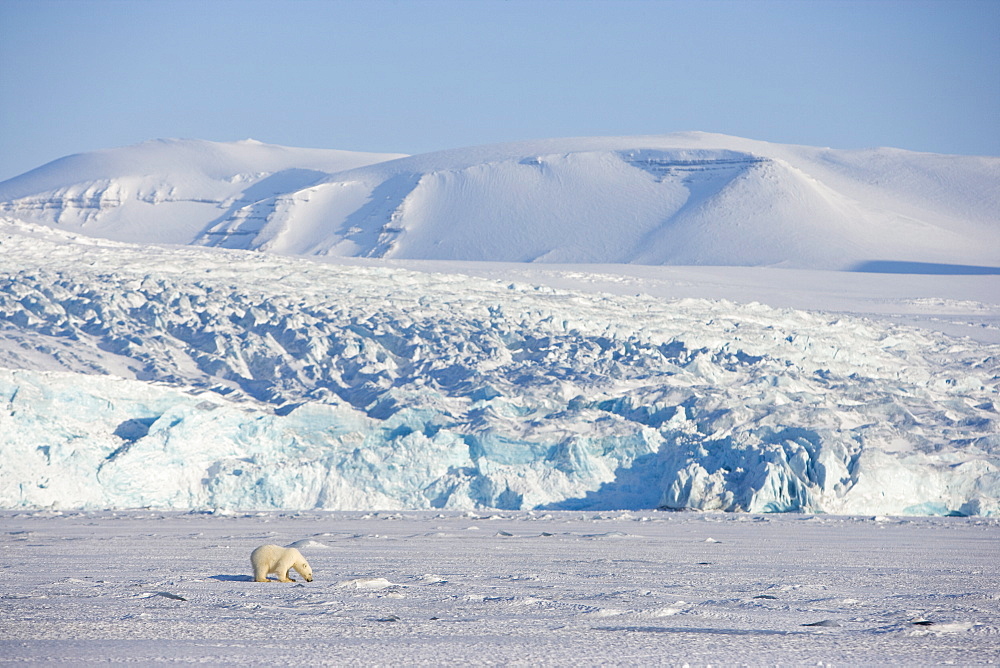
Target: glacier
x=189, y=378
x=685, y=321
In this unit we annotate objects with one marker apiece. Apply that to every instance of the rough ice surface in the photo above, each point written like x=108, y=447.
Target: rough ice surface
x=188, y=378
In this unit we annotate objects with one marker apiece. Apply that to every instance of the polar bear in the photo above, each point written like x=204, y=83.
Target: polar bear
x=279, y=560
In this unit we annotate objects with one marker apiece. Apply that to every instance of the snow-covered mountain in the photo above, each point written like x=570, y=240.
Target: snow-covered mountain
x=134, y=373
x=681, y=199
x=167, y=191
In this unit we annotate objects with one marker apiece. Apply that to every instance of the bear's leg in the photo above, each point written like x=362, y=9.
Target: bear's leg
x=282, y=567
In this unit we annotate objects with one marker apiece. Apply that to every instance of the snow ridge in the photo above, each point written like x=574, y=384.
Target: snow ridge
x=257, y=381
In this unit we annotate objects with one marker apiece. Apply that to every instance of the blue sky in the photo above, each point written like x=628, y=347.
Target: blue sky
x=415, y=76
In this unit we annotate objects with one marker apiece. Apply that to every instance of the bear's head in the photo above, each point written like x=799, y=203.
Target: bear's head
x=304, y=570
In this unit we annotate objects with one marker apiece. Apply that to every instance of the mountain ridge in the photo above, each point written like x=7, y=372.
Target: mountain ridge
x=689, y=198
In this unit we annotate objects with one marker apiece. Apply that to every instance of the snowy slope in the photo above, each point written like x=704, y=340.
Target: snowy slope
x=199, y=378
x=166, y=191
x=681, y=199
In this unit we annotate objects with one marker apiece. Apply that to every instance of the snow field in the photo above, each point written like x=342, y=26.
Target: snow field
x=553, y=588
x=254, y=381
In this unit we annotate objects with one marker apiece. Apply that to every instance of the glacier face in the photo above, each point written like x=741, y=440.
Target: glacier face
x=188, y=378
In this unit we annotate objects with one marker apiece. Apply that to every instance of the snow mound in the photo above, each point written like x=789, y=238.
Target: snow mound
x=194, y=378
x=365, y=583
x=680, y=199
x=308, y=544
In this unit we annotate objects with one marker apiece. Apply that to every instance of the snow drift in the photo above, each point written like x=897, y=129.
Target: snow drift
x=199, y=378
x=682, y=199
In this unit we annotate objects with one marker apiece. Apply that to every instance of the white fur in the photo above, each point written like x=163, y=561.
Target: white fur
x=278, y=560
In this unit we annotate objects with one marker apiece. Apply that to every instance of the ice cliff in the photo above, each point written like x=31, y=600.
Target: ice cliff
x=188, y=378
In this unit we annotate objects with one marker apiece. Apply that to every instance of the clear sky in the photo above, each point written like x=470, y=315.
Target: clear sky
x=411, y=76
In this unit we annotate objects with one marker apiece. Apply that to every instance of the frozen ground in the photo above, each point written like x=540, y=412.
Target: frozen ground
x=501, y=588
